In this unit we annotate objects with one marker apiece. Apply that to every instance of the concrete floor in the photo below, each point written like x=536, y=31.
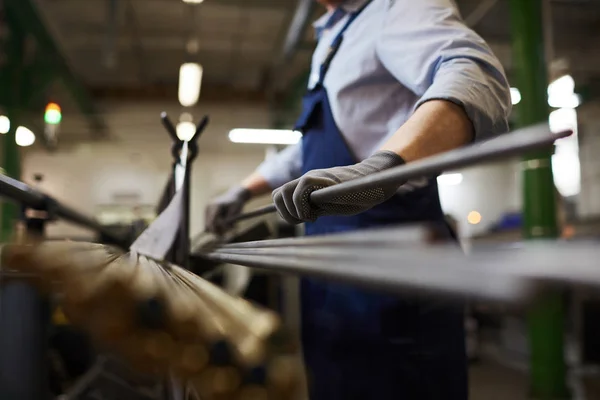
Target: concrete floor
x=491, y=381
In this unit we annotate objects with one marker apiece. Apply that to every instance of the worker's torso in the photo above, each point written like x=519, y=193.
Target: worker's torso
x=367, y=102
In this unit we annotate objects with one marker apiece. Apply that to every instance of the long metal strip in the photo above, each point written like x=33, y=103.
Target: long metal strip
x=156, y=241
x=508, y=145
x=511, y=144
x=544, y=261
x=462, y=282
x=397, y=236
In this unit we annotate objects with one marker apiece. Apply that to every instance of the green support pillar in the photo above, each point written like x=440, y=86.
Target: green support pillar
x=11, y=161
x=546, y=318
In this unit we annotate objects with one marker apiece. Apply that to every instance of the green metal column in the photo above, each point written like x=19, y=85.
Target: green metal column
x=12, y=79
x=546, y=318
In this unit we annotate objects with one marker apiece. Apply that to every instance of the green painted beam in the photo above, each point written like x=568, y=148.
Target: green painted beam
x=11, y=76
x=546, y=318
x=26, y=15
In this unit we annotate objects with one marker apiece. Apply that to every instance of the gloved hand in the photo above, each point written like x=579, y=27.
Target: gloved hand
x=293, y=199
x=225, y=207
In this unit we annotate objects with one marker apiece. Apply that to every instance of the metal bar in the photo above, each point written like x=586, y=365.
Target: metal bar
x=253, y=214
x=545, y=319
x=22, y=193
x=166, y=121
x=409, y=235
x=528, y=266
x=512, y=144
x=458, y=282
x=542, y=261
x=200, y=128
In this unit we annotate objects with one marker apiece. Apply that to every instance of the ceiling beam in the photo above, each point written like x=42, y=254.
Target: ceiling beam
x=213, y=93
x=297, y=29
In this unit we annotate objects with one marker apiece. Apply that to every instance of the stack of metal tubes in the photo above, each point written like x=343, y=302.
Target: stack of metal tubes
x=162, y=319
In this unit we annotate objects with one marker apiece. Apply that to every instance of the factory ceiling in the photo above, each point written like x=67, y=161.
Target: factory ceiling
x=133, y=48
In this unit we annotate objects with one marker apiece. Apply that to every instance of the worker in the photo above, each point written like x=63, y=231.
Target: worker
x=392, y=82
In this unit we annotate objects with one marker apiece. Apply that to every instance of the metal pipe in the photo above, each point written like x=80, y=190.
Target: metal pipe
x=24, y=194
x=512, y=144
x=541, y=261
x=457, y=282
x=410, y=235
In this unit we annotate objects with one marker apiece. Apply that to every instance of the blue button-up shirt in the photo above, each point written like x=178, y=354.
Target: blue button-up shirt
x=395, y=56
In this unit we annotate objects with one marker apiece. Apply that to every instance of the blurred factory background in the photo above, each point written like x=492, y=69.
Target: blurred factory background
x=112, y=66
x=83, y=83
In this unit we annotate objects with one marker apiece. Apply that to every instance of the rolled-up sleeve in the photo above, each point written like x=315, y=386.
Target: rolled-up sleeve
x=283, y=167
x=428, y=48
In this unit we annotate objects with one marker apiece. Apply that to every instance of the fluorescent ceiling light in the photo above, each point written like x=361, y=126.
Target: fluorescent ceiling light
x=450, y=179
x=563, y=119
x=568, y=101
x=4, y=124
x=561, y=94
x=515, y=95
x=193, y=1
x=563, y=86
x=24, y=137
x=264, y=136
x=186, y=130
x=190, y=80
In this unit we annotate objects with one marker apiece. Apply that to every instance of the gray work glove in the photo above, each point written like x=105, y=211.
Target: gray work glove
x=225, y=207
x=293, y=199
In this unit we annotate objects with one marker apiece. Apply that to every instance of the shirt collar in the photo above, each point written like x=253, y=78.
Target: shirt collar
x=348, y=6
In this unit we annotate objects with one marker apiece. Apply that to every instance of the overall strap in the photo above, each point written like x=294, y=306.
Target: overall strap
x=337, y=42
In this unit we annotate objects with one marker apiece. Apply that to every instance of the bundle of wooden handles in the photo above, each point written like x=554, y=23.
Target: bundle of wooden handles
x=161, y=319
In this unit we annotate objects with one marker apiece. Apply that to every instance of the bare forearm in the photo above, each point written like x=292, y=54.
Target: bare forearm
x=435, y=127
x=256, y=185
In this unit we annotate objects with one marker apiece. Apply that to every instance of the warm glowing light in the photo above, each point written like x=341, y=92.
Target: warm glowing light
x=265, y=136
x=474, y=218
x=190, y=80
x=4, y=124
x=515, y=95
x=186, y=130
x=53, y=114
x=561, y=93
x=450, y=179
x=24, y=137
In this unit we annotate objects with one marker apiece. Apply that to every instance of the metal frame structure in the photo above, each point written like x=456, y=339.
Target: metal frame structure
x=24, y=312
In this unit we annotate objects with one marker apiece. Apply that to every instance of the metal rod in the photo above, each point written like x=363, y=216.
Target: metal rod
x=397, y=236
x=541, y=261
x=170, y=128
x=270, y=209
x=512, y=144
x=528, y=266
x=24, y=194
x=458, y=282
x=200, y=128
